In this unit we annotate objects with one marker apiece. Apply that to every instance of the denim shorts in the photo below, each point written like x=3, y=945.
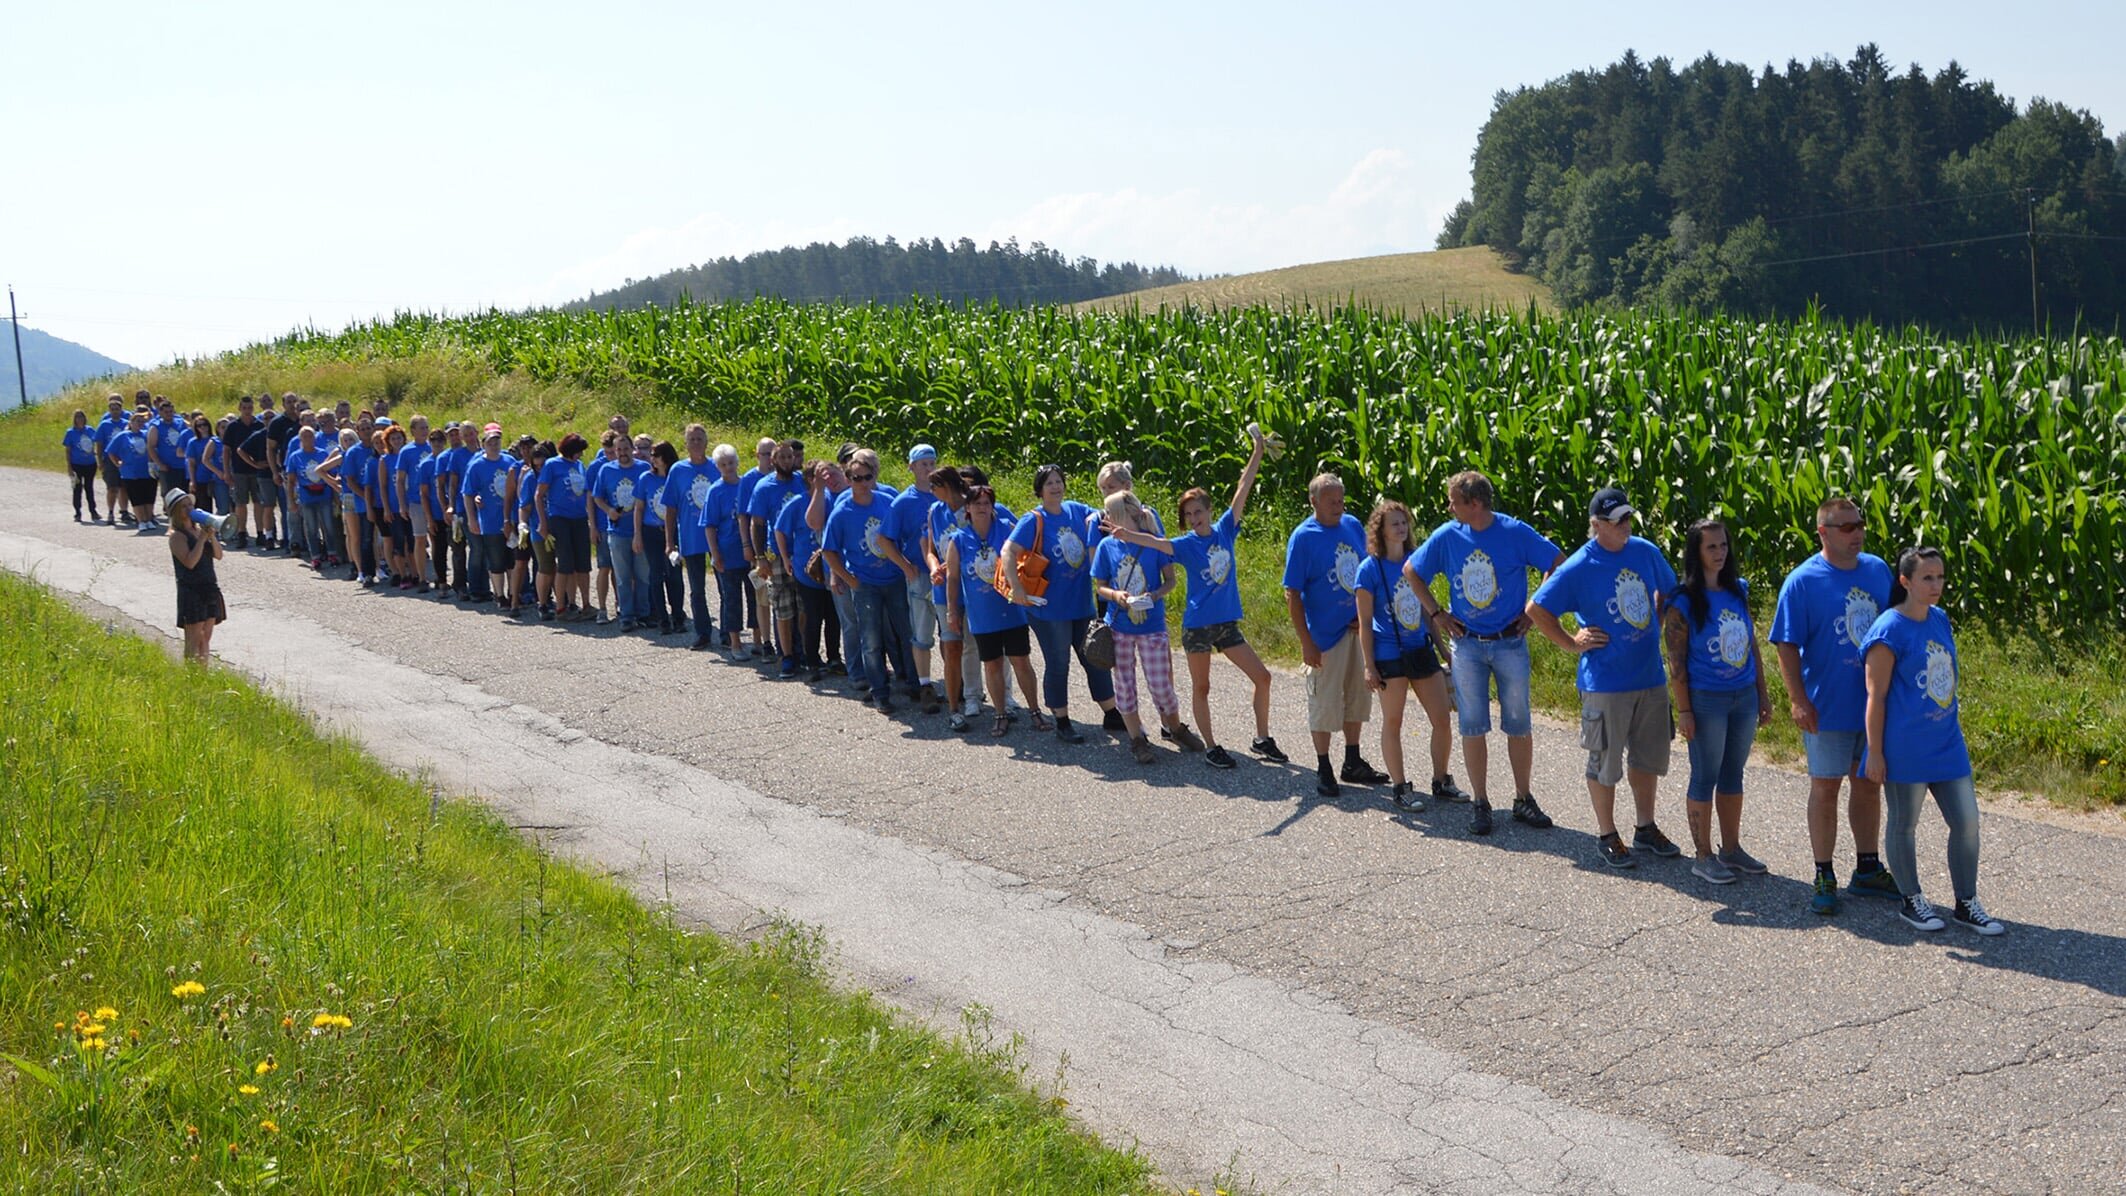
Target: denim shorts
x=1833, y=753
x=1476, y=663
x=922, y=617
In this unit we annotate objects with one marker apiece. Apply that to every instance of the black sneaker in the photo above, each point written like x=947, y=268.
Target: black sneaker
x=1918, y=913
x=1444, y=789
x=1525, y=811
x=1651, y=838
x=1325, y=782
x=1614, y=853
x=1405, y=797
x=1480, y=818
x=1267, y=748
x=1067, y=732
x=1216, y=757
x=1112, y=721
x=1972, y=916
x=1358, y=772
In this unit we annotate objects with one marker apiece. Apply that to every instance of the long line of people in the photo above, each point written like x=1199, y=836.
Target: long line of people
x=820, y=568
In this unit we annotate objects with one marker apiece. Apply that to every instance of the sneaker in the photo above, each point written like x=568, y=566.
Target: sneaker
x=928, y=697
x=1216, y=757
x=1651, y=838
x=885, y=704
x=971, y=707
x=1444, y=789
x=1141, y=748
x=956, y=722
x=1713, y=871
x=1404, y=795
x=1112, y=721
x=1878, y=883
x=788, y=670
x=1742, y=861
x=1480, y=819
x=1267, y=748
x=1918, y=913
x=1825, y=898
x=1325, y=782
x=1067, y=732
x=1614, y=852
x=1527, y=813
x=604, y=620
x=1182, y=737
x=1971, y=915
x=837, y=668
x=1358, y=772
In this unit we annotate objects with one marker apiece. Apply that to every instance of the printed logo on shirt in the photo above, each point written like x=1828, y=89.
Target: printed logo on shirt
x=1070, y=547
x=1218, y=565
x=1731, y=640
x=310, y=471
x=1480, y=582
x=1129, y=578
x=982, y=565
x=1346, y=572
x=1938, y=679
x=624, y=494
x=1632, y=603
x=498, y=483
x=652, y=489
x=698, y=492
x=575, y=482
x=1860, y=612
x=1409, y=612
x=871, y=529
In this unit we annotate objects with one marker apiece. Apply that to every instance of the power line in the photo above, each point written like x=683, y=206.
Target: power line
x=1832, y=257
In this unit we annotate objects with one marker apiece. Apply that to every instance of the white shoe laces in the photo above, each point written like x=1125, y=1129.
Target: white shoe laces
x=1921, y=908
x=1976, y=913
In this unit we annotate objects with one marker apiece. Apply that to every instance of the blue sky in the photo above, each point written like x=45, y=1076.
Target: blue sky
x=188, y=178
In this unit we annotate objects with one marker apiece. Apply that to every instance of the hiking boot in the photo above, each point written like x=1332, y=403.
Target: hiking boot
x=1444, y=789
x=1825, y=898
x=1404, y=795
x=1973, y=916
x=1918, y=913
x=1217, y=758
x=1480, y=819
x=1614, y=852
x=1180, y=736
x=1651, y=838
x=1876, y=882
x=1713, y=871
x=1267, y=748
x=1742, y=861
x=1358, y=772
x=1140, y=747
x=1527, y=813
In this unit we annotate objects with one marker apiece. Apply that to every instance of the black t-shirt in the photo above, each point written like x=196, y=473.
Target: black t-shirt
x=255, y=445
x=233, y=438
x=281, y=431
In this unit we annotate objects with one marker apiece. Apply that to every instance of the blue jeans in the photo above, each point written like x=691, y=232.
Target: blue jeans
x=732, y=589
x=1727, y=728
x=631, y=575
x=883, y=610
x=1476, y=662
x=1061, y=639
x=852, y=631
x=697, y=567
x=1958, y=800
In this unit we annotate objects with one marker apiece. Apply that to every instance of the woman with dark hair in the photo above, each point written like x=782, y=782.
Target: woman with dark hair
x=1916, y=739
x=1401, y=657
x=193, y=551
x=1717, y=680
x=196, y=475
x=541, y=569
x=1060, y=616
x=564, y=511
x=975, y=607
x=668, y=591
x=80, y=445
x=794, y=538
x=397, y=525
x=957, y=671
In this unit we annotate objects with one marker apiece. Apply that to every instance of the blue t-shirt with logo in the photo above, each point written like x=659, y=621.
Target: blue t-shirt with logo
x=210, y=459
x=1826, y=612
x=169, y=442
x=802, y=540
x=107, y=427
x=311, y=489
x=567, y=488
x=195, y=453
x=1321, y=564
x=1487, y=571
x=386, y=465
x=1070, y=559
x=1398, y=616
x=1212, y=572
x=130, y=450
x=409, y=460
x=619, y=487
x=988, y=612
x=487, y=490
x=686, y=487
x=1123, y=566
x=528, y=500
x=911, y=522
x=854, y=530
x=649, y=491
x=746, y=482
x=354, y=471
x=719, y=511
x=591, y=469
x=1922, y=737
x=1620, y=593
x=424, y=483
x=450, y=472
x=80, y=445
x=769, y=493
x=1721, y=648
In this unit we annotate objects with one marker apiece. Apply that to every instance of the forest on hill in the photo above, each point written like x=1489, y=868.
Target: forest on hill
x=1872, y=193
x=863, y=270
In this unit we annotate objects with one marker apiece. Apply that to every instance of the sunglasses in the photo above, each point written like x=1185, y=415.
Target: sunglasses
x=862, y=477
x=1854, y=526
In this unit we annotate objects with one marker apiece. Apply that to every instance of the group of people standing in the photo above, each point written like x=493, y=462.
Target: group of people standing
x=818, y=566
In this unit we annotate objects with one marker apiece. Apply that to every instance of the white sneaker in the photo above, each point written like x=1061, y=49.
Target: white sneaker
x=971, y=707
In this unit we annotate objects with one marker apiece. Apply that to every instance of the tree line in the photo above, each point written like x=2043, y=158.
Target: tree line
x=863, y=270
x=1897, y=197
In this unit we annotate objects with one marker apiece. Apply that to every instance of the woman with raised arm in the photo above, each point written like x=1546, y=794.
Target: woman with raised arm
x=1057, y=530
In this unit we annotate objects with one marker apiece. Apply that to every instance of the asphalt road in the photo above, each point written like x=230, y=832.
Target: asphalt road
x=1318, y=996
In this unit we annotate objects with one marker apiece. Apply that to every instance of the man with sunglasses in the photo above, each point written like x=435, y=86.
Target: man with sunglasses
x=1826, y=606
x=861, y=548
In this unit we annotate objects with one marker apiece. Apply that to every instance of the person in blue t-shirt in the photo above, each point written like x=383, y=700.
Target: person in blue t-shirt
x=1486, y=557
x=911, y=523
x=1615, y=585
x=1133, y=582
x=976, y=608
x=721, y=530
x=791, y=537
x=80, y=445
x=112, y=423
x=564, y=511
x=450, y=490
x=614, y=491
x=861, y=547
x=1320, y=595
x=772, y=580
x=1400, y=656
x=310, y=470
x=686, y=489
x=429, y=501
x=136, y=469
x=487, y=514
x=1916, y=739
x=542, y=564
x=1826, y=606
x=1716, y=677
x=1061, y=615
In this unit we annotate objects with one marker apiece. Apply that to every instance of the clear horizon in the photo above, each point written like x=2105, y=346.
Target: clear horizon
x=190, y=181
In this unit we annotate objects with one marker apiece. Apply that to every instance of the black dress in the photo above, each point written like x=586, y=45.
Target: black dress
x=198, y=594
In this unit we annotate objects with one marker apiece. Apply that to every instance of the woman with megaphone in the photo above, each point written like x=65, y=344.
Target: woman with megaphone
x=194, y=547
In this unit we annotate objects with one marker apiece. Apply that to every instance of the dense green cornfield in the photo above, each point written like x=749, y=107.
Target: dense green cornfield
x=2009, y=454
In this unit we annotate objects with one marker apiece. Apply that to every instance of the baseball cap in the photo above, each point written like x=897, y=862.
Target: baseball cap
x=922, y=452
x=491, y=430
x=1610, y=505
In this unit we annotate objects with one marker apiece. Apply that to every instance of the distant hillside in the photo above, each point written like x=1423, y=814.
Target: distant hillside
x=868, y=271
x=1447, y=278
x=52, y=364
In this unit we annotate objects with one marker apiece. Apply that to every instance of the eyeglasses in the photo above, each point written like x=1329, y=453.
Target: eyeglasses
x=862, y=477
x=1854, y=526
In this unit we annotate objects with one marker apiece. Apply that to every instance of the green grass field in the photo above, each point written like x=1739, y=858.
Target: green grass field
x=234, y=955
x=1439, y=280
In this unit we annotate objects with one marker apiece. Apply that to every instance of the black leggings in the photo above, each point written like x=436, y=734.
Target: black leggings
x=667, y=583
x=84, y=486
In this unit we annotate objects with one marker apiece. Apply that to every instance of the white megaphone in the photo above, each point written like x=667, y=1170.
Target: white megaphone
x=213, y=522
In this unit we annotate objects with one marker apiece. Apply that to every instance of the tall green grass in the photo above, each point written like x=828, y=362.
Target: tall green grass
x=234, y=955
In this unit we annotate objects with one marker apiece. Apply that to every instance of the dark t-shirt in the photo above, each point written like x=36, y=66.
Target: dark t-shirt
x=281, y=431
x=255, y=447
x=235, y=436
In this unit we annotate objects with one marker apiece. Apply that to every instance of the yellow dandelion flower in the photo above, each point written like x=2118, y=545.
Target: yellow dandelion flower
x=132, y=1035
x=265, y=1065
x=106, y=1014
x=332, y=1021
x=270, y=1126
x=249, y=1089
x=95, y=1044
x=287, y=1023
x=190, y=988
x=235, y=1150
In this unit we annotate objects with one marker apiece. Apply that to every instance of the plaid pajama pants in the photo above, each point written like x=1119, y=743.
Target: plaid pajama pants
x=1155, y=655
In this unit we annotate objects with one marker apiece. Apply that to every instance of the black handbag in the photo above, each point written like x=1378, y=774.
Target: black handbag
x=1100, y=646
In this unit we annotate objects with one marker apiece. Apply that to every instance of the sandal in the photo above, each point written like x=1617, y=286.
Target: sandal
x=1042, y=722
x=1001, y=726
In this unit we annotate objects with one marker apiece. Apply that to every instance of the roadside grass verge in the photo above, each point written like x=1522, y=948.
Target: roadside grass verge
x=234, y=954
x=2044, y=708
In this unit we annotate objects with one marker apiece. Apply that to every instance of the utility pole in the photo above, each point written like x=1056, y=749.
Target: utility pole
x=22, y=382
x=2030, y=208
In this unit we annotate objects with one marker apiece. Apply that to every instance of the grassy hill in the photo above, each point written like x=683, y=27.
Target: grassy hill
x=52, y=364
x=1446, y=278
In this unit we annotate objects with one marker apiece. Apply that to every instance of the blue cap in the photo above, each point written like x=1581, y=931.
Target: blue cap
x=922, y=452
